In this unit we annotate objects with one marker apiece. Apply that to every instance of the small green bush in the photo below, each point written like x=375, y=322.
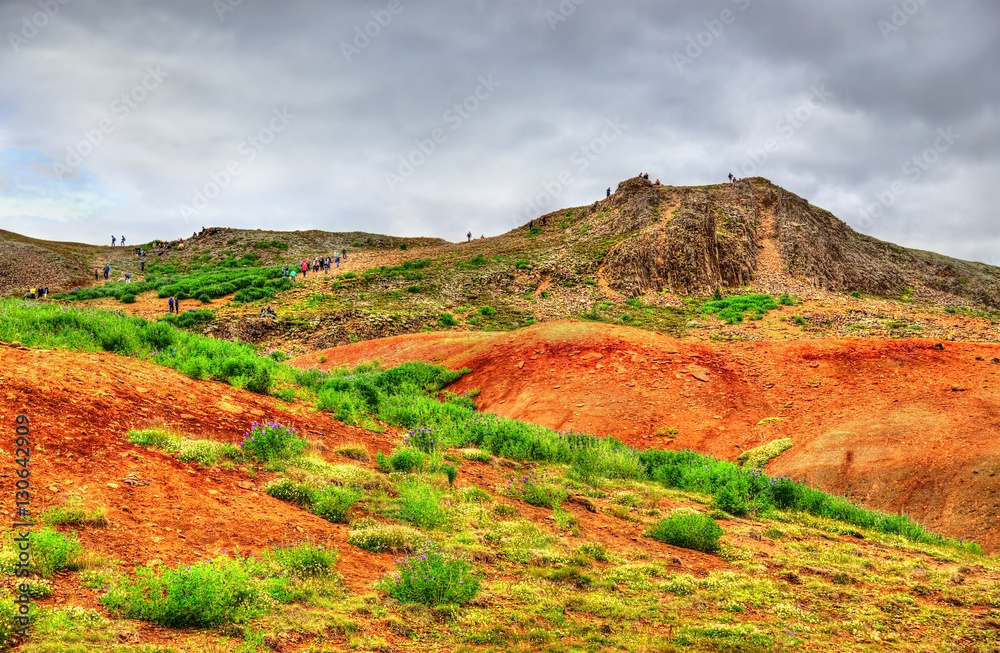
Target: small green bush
x=413, y=289
x=202, y=595
x=128, y=298
x=451, y=472
x=688, y=530
x=536, y=490
x=272, y=441
x=522, y=264
x=385, y=538
x=403, y=460
x=488, y=311
x=432, y=578
x=52, y=550
x=447, y=320
x=419, y=504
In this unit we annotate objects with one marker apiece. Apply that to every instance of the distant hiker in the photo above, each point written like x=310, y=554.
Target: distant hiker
x=142, y=265
x=286, y=270
x=123, y=241
x=107, y=271
x=343, y=254
x=170, y=305
x=731, y=177
x=293, y=273
x=45, y=292
x=315, y=265
x=267, y=310
x=657, y=183
x=608, y=192
x=544, y=217
x=95, y=274
x=336, y=260
x=113, y=241
x=531, y=224
x=645, y=176
x=305, y=268
x=128, y=277
x=469, y=236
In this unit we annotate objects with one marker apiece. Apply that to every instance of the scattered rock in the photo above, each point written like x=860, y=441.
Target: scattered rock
x=793, y=578
x=134, y=480
x=676, y=561
x=955, y=388
x=112, y=485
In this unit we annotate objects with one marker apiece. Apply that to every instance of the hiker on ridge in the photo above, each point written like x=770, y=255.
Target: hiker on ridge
x=113, y=241
x=469, y=236
x=608, y=192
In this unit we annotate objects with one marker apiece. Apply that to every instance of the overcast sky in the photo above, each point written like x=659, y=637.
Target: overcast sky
x=424, y=117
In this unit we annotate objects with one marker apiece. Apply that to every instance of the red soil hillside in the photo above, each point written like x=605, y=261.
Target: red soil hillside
x=901, y=425
x=81, y=408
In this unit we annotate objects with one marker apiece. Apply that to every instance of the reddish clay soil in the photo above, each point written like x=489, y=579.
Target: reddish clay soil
x=908, y=426
x=81, y=407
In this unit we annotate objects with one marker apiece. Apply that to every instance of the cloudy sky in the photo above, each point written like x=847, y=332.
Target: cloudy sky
x=436, y=117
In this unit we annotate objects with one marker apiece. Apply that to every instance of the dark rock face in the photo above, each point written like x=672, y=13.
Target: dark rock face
x=694, y=239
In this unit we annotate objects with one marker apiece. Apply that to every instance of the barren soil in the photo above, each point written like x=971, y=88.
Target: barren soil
x=900, y=425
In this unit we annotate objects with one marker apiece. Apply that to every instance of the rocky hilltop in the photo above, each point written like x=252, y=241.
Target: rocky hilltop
x=695, y=239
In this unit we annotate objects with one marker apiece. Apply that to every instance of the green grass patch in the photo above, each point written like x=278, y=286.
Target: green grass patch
x=732, y=309
x=757, y=457
x=689, y=530
x=433, y=578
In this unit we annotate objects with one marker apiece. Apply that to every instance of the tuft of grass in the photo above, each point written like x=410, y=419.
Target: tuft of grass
x=732, y=309
x=354, y=451
x=331, y=502
x=384, y=538
x=447, y=320
x=757, y=457
x=271, y=441
x=433, y=578
x=536, y=490
x=72, y=513
x=688, y=530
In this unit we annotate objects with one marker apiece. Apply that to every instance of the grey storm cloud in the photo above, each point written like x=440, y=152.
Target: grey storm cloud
x=414, y=117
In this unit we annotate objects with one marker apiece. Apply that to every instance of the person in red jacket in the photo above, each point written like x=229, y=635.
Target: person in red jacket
x=304, y=268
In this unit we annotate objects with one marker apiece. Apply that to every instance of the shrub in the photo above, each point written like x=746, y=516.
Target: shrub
x=451, y=472
x=419, y=504
x=487, y=311
x=306, y=559
x=155, y=438
x=785, y=300
x=798, y=319
x=537, y=491
x=333, y=503
x=731, y=309
x=522, y=264
x=688, y=530
x=432, y=578
x=413, y=289
x=272, y=441
x=447, y=320
x=534, y=231
x=52, y=550
x=403, y=460
x=128, y=298
x=384, y=538
x=202, y=595
x=424, y=439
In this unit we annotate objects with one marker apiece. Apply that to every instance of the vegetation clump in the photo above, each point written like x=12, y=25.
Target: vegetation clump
x=689, y=530
x=433, y=578
x=732, y=309
x=757, y=457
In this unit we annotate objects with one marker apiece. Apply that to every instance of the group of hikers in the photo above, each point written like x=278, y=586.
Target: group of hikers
x=318, y=262
x=115, y=240
x=37, y=293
